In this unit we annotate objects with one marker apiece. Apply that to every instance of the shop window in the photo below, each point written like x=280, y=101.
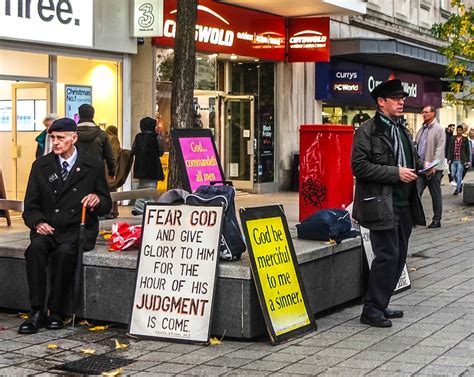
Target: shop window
x=18, y=63
x=205, y=77
x=6, y=115
x=90, y=81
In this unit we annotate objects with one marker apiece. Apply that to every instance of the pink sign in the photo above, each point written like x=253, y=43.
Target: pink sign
x=200, y=161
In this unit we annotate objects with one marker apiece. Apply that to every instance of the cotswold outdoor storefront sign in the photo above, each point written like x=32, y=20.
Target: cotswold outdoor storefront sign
x=67, y=22
x=308, y=39
x=231, y=30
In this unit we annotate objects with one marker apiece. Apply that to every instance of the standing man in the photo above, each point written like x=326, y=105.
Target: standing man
x=60, y=184
x=93, y=140
x=449, y=135
x=430, y=142
x=459, y=156
x=386, y=199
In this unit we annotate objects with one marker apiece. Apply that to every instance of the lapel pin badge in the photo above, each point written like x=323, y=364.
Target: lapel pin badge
x=78, y=169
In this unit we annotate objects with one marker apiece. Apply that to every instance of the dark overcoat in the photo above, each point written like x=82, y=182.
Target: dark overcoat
x=49, y=199
x=376, y=171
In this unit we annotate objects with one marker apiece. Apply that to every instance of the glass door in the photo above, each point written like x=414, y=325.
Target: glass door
x=30, y=103
x=238, y=140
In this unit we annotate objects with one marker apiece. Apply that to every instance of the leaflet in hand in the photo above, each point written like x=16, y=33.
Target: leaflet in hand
x=429, y=167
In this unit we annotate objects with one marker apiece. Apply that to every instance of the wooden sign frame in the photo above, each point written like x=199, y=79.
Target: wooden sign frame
x=276, y=234
x=162, y=292
x=206, y=154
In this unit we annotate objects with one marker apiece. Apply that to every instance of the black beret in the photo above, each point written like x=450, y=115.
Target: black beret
x=388, y=88
x=86, y=111
x=63, y=125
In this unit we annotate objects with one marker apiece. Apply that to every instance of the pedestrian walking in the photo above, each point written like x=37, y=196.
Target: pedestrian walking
x=459, y=155
x=147, y=149
x=93, y=140
x=430, y=143
x=384, y=162
x=60, y=185
x=449, y=135
x=44, y=144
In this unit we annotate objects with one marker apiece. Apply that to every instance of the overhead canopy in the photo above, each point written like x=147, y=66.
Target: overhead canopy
x=391, y=53
x=302, y=8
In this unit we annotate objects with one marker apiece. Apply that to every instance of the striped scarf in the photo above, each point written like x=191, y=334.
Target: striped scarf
x=394, y=127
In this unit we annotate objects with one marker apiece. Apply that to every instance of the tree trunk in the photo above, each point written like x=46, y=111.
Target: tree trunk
x=182, y=91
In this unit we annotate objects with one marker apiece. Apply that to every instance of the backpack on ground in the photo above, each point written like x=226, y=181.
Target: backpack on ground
x=326, y=224
x=232, y=242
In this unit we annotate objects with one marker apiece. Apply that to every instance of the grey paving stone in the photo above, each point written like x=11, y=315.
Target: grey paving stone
x=401, y=367
x=40, y=364
x=65, y=356
x=460, y=352
x=206, y=370
x=305, y=369
x=271, y=366
x=225, y=361
x=246, y=373
x=11, y=358
x=455, y=361
x=322, y=360
x=169, y=368
x=361, y=364
x=428, y=350
x=340, y=371
x=373, y=355
x=284, y=357
x=129, y=353
x=12, y=345
x=151, y=345
x=439, y=341
x=9, y=334
x=299, y=349
x=338, y=352
x=16, y=371
x=181, y=348
x=193, y=358
x=414, y=357
x=159, y=356
x=387, y=346
x=139, y=366
x=250, y=354
x=154, y=374
x=354, y=345
x=443, y=370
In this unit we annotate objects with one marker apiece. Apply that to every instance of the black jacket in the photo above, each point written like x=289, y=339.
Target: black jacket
x=465, y=150
x=49, y=199
x=147, y=149
x=94, y=141
x=376, y=171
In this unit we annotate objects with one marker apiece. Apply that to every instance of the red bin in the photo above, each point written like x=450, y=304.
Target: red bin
x=325, y=167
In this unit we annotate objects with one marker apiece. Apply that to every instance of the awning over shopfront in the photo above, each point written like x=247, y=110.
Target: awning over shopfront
x=390, y=53
x=302, y=8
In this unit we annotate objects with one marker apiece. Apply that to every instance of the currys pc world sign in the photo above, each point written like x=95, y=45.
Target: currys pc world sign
x=65, y=22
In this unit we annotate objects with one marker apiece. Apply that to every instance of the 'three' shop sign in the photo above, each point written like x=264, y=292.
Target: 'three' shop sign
x=222, y=28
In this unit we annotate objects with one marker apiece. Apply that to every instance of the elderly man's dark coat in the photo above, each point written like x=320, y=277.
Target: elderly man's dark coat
x=49, y=199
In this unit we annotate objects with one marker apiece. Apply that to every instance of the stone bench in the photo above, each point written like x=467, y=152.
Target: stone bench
x=468, y=188
x=332, y=275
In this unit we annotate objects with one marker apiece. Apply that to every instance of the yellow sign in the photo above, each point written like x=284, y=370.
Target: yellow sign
x=163, y=185
x=277, y=274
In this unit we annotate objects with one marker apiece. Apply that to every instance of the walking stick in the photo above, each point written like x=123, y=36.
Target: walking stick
x=79, y=264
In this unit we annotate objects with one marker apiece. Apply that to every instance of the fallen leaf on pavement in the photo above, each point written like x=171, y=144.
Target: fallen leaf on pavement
x=24, y=315
x=215, y=342
x=467, y=218
x=85, y=323
x=116, y=372
x=331, y=242
x=88, y=351
x=52, y=346
x=413, y=269
x=97, y=328
x=119, y=345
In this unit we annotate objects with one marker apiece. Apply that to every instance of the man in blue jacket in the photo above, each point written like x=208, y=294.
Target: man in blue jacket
x=384, y=162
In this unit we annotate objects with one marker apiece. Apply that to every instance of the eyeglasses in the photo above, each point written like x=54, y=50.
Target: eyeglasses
x=397, y=99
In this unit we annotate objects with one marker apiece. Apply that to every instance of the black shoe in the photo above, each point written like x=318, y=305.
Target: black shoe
x=391, y=313
x=34, y=322
x=456, y=192
x=435, y=224
x=135, y=212
x=375, y=321
x=55, y=322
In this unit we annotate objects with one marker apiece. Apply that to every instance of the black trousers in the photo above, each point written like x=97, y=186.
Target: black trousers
x=390, y=248
x=434, y=186
x=42, y=251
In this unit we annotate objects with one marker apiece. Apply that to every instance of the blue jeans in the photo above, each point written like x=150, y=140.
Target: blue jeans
x=457, y=170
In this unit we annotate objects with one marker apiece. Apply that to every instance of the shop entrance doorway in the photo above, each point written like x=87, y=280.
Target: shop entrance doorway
x=238, y=140
x=22, y=110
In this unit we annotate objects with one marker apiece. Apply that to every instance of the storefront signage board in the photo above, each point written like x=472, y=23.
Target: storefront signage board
x=75, y=96
x=176, y=272
x=197, y=156
x=351, y=83
x=64, y=22
x=147, y=18
x=308, y=39
x=276, y=273
x=222, y=28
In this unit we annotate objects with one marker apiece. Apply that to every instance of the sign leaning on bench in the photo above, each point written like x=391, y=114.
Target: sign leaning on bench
x=276, y=273
x=176, y=272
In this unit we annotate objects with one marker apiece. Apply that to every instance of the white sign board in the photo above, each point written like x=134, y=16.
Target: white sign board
x=404, y=281
x=176, y=272
x=147, y=18
x=75, y=96
x=66, y=22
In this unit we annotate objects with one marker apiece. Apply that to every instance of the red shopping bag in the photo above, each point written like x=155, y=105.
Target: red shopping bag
x=124, y=236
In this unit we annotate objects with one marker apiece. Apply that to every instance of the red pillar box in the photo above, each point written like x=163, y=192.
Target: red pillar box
x=325, y=167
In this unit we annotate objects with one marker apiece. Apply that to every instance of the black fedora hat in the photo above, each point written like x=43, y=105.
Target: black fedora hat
x=388, y=88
